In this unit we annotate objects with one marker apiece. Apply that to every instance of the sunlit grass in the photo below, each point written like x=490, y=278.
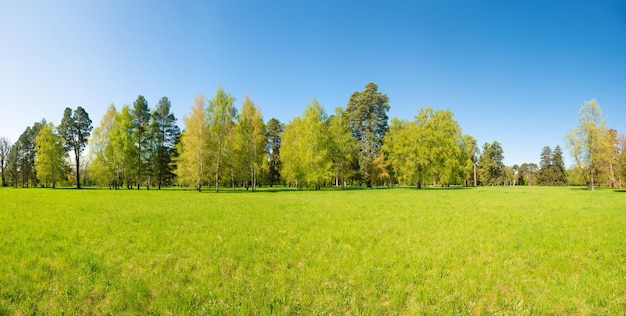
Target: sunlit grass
x=485, y=250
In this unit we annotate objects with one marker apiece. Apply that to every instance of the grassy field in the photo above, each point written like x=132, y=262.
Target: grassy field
x=437, y=251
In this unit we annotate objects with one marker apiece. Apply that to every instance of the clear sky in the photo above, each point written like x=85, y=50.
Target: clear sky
x=511, y=71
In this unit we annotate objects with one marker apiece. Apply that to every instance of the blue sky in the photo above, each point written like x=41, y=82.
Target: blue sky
x=511, y=71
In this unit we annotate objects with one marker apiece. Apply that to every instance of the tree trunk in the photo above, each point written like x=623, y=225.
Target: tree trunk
x=77, y=154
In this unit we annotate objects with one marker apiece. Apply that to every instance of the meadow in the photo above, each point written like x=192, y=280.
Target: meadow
x=509, y=250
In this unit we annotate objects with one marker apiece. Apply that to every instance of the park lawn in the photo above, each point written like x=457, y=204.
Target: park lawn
x=511, y=250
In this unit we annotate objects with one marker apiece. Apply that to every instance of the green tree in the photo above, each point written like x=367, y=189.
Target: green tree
x=250, y=141
x=528, y=173
x=587, y=142
x=122, y=149
x=50, y=158
x=293, y=152
x=5, y=150
x=75, y=129
x=141, y=118
x=101, y=168
x=318, y=167
x=192, y=147
x=342, y=146
x=221, y=114
x=544, y=175
x=22, y=156
x=490, y=165
x=367, y=114
x=274, y=130
x=469, y=158
x=165, y=132
x=402, y=144
x=559, y=172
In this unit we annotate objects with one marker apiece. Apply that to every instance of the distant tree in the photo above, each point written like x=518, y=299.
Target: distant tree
x=165, y=132
x=101, y=166
x=515, y=173
x=613, y=158
x=221, y=115
x=122, y=149
x=470, y=154
x=342, y=146
x=5, y=150
x=293, y=152
x=402, y=147
x=75, y=129
x=367, y=114
x=274, y=130
x=22, y=156
x=50, y=158
x=192, y=148
x=544, y=176
x=490, y=166
x=587, y=142
x=250, y=140
x=305, y=155
x=141, y=118
x=528, y=173
x=559, y=171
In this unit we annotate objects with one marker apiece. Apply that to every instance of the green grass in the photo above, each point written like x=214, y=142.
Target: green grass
x=438, y=251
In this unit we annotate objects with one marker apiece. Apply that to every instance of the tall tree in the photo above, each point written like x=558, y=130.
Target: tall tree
x=471, y=152
x=22, y=156
x=165, y=131
x=75, y=128
x=490, y=166
x=250, y=140
x=367, y=114
x=222, y=114
x=122, y=149
x=50, y=159
x=273, y=133
x=5, y=150
x=192, y=147
x=544, y=176
x=558, y=167
x=587, y=142
x=101, y=168
x=342, y=146
x=305, y=154
x=141, y=117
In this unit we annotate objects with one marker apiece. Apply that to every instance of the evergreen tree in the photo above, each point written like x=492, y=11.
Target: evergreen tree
x=75, y=128
x=367, y=114
x=273, y=134
x=164, y=134
x=141, y=117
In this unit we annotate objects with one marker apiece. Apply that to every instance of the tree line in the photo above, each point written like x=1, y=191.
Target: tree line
x=358, y=145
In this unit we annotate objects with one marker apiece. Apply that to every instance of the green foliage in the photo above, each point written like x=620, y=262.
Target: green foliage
x=427, y=149
x=274, y=130
x=250, y=141
x=75, y=129
x=588, y=142
x=305, y=154
x=50, y=156
x=490, y=165
x=551, y=167
x=191, y=162
x=163, y=134
x=382, y=252
x=221, y=122
x=367, y=114
x=141, y=136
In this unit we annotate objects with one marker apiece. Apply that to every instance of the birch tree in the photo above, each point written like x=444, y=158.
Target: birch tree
x=191, y=162
x=221, y=116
